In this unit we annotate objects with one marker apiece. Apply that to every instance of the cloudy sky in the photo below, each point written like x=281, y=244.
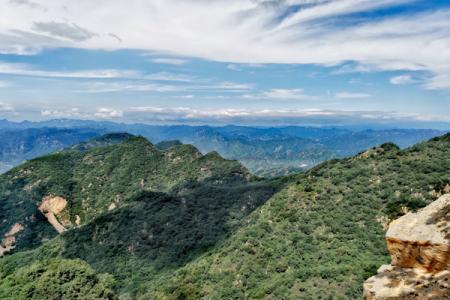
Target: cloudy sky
x=225, y=61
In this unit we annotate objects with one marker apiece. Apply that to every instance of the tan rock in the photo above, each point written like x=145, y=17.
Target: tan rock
x=112, y=206
x=77, y=220
x=422, y=239
x=52, y=206
x=407, y=283
x=9, y=241
x=419, y=244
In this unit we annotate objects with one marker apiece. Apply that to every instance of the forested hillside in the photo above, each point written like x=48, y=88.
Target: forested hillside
x=175, y=224
x=128, y=209
x=322, y=235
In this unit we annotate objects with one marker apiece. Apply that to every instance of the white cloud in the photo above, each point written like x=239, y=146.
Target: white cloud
x=234, y=67
x=126, y=86
x=26, y=70
x=145, y=86
x=169, y=61
x=287, y=94
x=267, y=116
x=402, y=79
x=6, y=108
x=240, y=31
x=437, y=82
x=108, y=113
x=166, y=76
x=227, y=85
x=69, y=113
x=349, y=95
x=77, y=113
x=4, y=84
x=185, y=97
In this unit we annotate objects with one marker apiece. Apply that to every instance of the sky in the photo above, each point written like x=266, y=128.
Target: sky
x=226, y=61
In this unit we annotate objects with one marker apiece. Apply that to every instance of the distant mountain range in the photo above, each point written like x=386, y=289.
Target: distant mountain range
x=269, y=152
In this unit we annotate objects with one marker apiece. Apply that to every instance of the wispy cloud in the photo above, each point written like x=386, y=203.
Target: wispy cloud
x=126, y=86
x=243, y=31
x=403, y=79
x=234, y=67
x=77, y=113
x=26, y=70
x=268, y=116
x=273, y=116
x=6, y=108
x=280, y=94
x=74, y=112
x=144, y=85
x=350, y=95
x=169, y=61
x=69, y=31
x=108, y=113
x=287, y=94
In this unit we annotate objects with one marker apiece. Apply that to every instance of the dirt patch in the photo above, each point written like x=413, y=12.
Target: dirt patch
x=77, y=220
x=112, y=206
x=9, y=240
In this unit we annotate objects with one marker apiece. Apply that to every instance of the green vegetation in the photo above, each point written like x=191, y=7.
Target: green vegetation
x=94, y=178
x=169, y=206
x=56, y=279
x=189, y=226
x=320, y=237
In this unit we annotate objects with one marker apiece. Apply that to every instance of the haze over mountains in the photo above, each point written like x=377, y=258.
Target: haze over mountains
x=265, y=151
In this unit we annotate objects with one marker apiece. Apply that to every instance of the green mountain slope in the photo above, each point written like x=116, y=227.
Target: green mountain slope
x=322, y=235
x=169, y=207
x=188, y=226
x=97, y=179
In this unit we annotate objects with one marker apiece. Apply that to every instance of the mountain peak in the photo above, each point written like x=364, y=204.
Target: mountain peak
x=164, y=145
x=103, y=140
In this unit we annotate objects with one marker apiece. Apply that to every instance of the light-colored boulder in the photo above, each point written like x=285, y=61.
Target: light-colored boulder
x=422, y=239
x=51, y=207
x=419, y=244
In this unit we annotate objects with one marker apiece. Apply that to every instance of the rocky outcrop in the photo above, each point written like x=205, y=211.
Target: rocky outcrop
x=51, y=207
x=9, y=240
x=419, y=244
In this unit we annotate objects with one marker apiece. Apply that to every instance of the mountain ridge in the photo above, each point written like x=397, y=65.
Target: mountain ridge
x=318, y=233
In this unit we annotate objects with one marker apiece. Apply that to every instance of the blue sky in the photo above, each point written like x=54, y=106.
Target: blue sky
x=195, y=61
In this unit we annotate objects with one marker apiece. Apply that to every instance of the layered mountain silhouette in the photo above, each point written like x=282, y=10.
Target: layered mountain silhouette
x=267, y=152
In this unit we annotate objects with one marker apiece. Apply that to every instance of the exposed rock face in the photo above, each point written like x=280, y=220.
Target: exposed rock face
x=51, y=207
x=9, y=240
x=419, y=244
x=422, y=239
x=407, y=283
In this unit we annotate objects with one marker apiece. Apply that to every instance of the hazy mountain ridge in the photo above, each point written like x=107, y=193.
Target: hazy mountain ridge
x=19, y=145
x=265, y=151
